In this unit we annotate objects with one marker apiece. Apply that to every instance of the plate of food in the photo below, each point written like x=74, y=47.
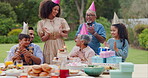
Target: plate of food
x=2, y=73
x=108, y=68
x=39, y=71
x=74, y=72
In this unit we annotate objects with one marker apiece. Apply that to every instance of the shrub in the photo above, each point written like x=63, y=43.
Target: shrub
x=106, y=25
x=133, y=34
x=37, y=39
x=71, y=35
x=143, y=38
x=139, y=28
x=7, y=18
x=15, y=32
x=9, y=39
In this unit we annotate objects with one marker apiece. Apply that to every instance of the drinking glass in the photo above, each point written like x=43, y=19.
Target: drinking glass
x=19, y=63
x=8, y=63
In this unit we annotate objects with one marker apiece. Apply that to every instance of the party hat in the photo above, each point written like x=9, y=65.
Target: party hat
x=115, y=19
x=92, y=7
x=56, y=1
x=84, y=30
x=25, y=28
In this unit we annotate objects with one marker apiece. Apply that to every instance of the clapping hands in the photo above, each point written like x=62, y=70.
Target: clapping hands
x=115, y=47
x=47, y=31
x=91, y=29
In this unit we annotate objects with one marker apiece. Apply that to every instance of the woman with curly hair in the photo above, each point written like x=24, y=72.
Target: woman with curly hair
x=51, y=29
x=119, y=42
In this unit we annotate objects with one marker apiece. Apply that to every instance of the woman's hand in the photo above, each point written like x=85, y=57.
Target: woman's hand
x=46, y=35
x=46, y=30
x=63, y=32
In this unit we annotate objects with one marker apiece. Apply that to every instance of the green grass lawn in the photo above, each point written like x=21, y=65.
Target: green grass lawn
x=135, y=55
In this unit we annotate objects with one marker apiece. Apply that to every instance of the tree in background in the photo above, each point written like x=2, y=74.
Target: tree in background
x=124, y=8
x=139, y=9
x=106, y=8
x=80, y=10
x=73, y=12
x=7, y=18
x=133, y=8
x=28, y=11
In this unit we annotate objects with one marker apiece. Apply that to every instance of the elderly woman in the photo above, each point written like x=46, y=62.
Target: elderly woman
x=81, y=50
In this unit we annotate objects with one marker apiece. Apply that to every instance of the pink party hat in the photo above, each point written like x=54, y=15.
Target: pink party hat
x=92, y=7
x=56, y=1
x=83, y=30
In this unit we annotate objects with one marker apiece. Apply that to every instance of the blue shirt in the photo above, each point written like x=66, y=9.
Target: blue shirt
x=99, y=28
x=37, y=52
x=123, y=50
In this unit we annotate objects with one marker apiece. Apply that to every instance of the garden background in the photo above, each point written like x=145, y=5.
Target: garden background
x=14, y=12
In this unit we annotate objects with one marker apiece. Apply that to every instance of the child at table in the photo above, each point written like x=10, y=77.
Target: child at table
x=119, y=42
x=81, y=50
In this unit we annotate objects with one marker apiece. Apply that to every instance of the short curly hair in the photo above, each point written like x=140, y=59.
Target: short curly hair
x=45, y=9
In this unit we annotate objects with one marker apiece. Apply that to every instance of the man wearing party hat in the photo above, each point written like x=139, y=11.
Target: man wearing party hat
x=96, y=30
x=25, y=50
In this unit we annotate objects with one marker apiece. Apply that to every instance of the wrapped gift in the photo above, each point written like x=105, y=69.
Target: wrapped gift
x=114, y=59
x=126, y=67
x=104, y=54
x=112, y=53
x=97, y=59
x=120, y=74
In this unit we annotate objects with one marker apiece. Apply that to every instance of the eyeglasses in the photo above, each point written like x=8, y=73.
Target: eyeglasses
x=89, y=15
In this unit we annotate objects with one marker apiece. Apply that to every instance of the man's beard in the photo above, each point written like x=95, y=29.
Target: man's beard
x=89, y=23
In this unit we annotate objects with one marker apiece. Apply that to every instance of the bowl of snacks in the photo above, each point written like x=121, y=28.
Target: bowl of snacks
x=93, y=70
x=39, y=71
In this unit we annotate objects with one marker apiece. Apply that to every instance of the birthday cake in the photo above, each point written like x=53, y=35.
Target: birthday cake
x=62, y=52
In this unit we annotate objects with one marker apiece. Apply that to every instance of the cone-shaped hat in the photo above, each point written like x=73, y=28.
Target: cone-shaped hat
x=84, y=30
x=25, y=28
x=92, y=6
x=56, y=1
x=115, y=19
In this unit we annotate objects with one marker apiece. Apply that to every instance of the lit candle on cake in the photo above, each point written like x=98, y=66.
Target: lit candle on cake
x=64, y=47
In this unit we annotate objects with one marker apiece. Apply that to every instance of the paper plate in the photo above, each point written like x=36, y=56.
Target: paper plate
x=8, y=77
